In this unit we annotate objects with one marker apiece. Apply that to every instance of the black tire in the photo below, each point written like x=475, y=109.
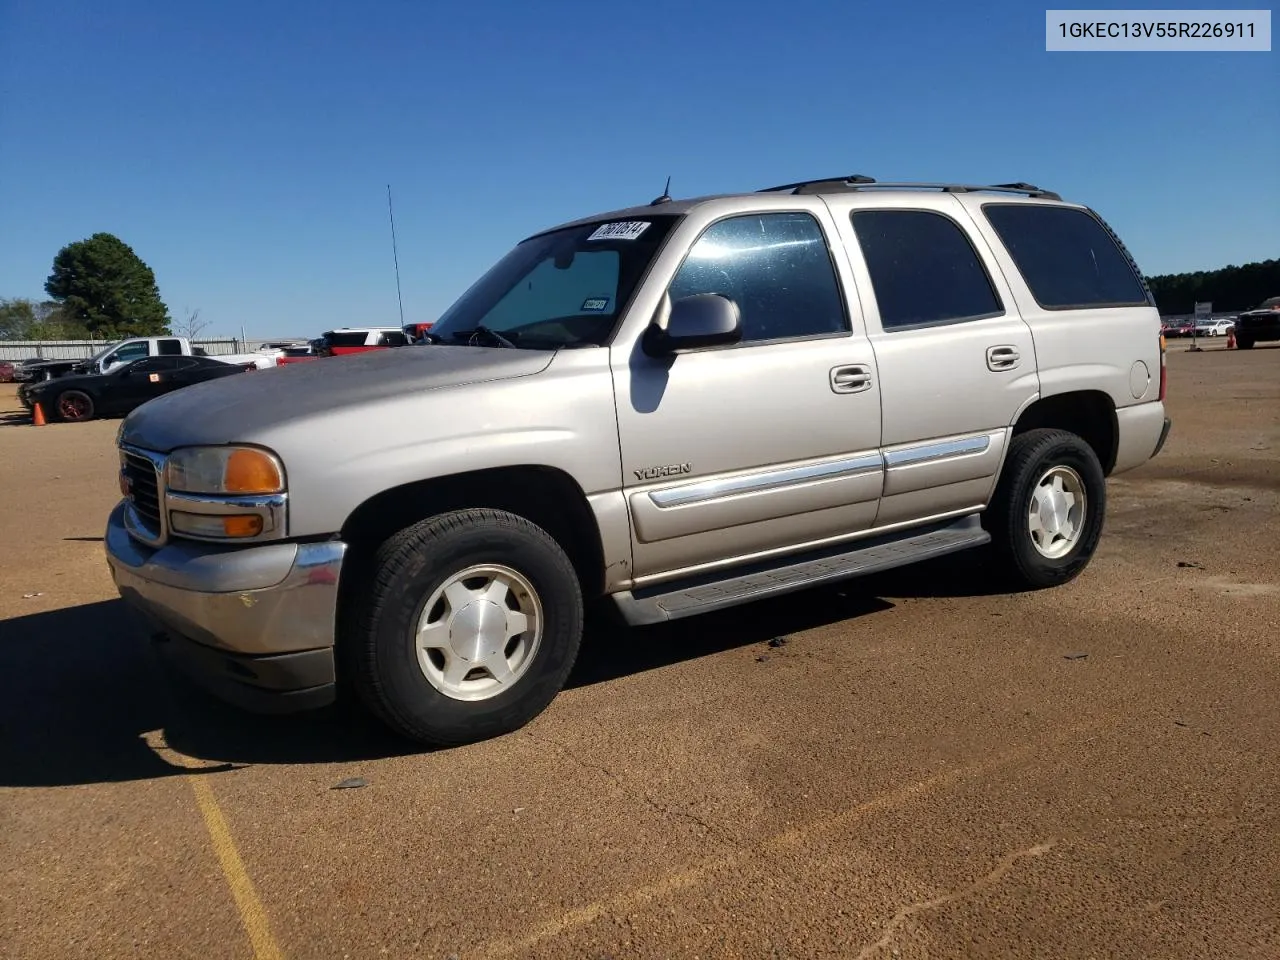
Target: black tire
x=1244, y=343
x=73, y=406
x=1031, y=456
x=408, y=568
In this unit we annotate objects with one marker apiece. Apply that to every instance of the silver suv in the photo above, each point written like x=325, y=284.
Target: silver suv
x=681, y=406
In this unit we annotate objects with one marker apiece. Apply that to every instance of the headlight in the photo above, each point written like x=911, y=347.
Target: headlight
x=225, y=470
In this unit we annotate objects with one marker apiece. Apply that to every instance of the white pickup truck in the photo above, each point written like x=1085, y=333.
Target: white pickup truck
x=135, y=348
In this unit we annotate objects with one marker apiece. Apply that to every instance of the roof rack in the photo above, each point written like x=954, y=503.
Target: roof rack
x=826, y=185
x=858, y=182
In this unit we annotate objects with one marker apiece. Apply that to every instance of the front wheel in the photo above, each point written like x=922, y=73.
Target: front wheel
x=1047, y=514
x=468, y=628
x=1244, y=343
x=74, y=406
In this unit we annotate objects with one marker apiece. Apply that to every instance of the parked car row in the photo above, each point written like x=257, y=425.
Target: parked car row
x=1259, y=325
x=125, y=375
x=1192, y=328
x=87, y=396
x=119, y=354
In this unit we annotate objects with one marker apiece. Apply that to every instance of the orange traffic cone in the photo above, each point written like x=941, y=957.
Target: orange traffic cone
x=37, y=416
x=1231, y=339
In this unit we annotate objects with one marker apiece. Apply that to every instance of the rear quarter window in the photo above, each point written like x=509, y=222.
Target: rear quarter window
x=1068, y=257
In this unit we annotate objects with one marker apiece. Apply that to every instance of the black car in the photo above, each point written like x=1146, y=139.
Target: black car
x=1259, y=325
x=35, y=370
x=75, y=398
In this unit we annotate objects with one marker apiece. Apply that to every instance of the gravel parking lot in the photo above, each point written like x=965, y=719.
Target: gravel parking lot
x=905, y=766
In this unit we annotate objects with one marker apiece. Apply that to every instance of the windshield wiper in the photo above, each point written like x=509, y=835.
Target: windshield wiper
x=481, y=330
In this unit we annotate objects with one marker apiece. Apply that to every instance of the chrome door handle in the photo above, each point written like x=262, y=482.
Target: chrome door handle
x=1002, y=358
x=851, y=379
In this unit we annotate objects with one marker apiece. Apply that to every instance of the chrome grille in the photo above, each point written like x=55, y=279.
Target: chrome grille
x=144, y=492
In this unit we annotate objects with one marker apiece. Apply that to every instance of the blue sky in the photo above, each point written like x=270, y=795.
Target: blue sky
x=243, y=149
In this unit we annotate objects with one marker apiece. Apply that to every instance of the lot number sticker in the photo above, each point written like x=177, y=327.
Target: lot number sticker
x=625, y=230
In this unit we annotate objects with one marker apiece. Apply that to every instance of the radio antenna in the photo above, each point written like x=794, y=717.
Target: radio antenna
x=395, y=256
x=666, y=195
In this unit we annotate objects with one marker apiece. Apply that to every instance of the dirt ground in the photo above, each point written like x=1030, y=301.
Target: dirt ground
x=908, y=766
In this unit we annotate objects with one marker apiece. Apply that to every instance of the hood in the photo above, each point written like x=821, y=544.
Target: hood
x=242, y=409
x=83, y=380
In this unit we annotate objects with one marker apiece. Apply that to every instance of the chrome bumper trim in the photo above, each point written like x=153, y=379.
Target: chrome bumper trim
x=262, y=599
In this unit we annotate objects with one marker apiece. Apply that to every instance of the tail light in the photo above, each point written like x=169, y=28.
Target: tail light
x=1164, y=370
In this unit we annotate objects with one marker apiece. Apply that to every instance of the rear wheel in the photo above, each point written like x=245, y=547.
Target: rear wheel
x=468, y=629
x=1047, y=514
x=1244, y=342
x=74, y=406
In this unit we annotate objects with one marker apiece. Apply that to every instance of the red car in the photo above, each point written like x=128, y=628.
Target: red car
x=345, y=340
x=337, y=343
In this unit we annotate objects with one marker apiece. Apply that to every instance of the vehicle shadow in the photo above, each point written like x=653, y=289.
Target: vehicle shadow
x=84, y=700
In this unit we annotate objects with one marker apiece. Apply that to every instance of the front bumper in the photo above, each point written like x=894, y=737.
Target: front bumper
x=255, y=625
x=1262, y=329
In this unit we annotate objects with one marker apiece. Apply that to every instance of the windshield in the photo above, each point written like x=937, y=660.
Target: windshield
x=559, y=289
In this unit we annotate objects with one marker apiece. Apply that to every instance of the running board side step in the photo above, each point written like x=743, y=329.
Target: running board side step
x=716, y=591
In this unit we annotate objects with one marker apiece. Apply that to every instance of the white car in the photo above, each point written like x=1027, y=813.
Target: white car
x=1214, y=328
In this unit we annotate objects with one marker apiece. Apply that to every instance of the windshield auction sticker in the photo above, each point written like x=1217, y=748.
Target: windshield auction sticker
x=625, y=230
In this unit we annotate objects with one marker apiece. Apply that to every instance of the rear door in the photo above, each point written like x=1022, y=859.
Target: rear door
x=1083, y=297
x=957, y=363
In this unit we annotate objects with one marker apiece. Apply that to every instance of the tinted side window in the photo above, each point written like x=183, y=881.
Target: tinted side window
x=923, y=269
x=393, y=340
x=169, y=348
x=156, y=364
x=776, y=267
x=1067, y=256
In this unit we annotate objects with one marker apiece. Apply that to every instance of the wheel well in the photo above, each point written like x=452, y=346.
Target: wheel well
x=1090, y=414
x=545, y=496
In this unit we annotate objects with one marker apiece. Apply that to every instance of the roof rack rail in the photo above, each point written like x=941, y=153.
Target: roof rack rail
x=841, y=185
x=825, y=185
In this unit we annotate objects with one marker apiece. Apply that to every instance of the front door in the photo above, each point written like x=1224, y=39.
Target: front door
x=732, y=453
x=957, y=362
x=146, y=380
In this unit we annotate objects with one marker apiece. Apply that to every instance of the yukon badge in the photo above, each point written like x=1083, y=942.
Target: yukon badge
x=670, y=470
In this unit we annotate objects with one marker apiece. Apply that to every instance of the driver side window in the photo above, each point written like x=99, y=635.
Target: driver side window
x=776, y=267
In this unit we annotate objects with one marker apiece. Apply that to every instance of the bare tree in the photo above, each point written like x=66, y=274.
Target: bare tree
x=191, y=325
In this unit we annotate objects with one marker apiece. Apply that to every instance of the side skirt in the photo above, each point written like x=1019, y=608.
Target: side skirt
x=702, y=594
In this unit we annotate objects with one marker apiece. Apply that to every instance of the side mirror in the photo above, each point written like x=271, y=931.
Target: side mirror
x=703, y=320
